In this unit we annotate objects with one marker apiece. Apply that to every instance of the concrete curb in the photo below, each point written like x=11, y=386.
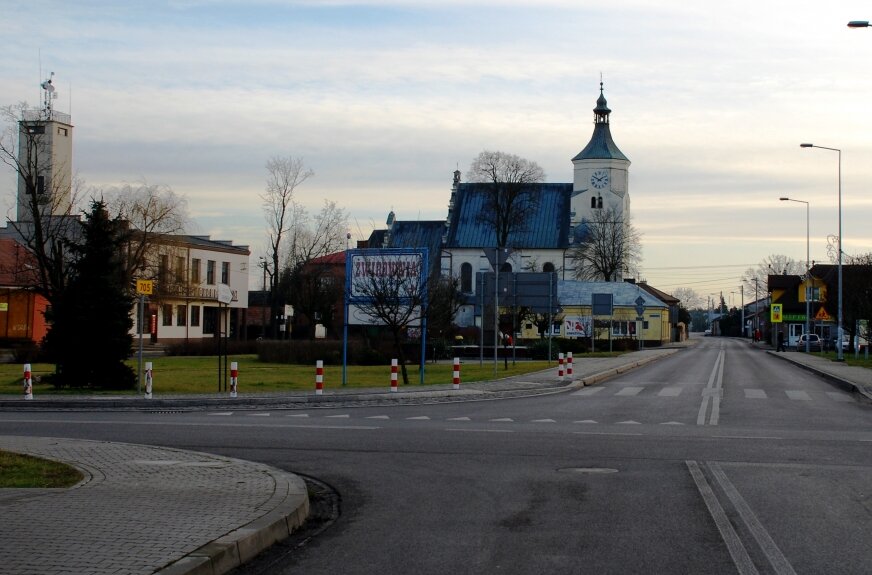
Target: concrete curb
x=244, y=543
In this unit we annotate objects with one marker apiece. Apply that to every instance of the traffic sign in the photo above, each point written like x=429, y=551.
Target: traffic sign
x=144, y=287
x=775, y=313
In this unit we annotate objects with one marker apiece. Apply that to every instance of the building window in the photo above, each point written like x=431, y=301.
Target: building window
x=548, y=267
x=167, y=313
x=180, y=269
x=162, y=267
x=195, y=316
x=466, y=278
x=210, y=272
x=36, y=129
x=195, y=271
x=181, y=315
x=593, y=202
x=210, y=319
x=506, y=267
x=62, y=131
x=40, y=185
x=225, y=272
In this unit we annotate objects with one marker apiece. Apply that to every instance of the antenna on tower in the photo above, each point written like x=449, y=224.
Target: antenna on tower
x=49, y=94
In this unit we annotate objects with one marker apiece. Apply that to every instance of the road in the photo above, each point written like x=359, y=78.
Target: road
x=718, y=459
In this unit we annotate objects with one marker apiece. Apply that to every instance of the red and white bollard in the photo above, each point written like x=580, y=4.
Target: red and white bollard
x=560, y=366
x=393, y=376
x=28, y=382
x=456, y=373
x=149, y=380
x=234, y=377
x=319, y=377
x=569, y=363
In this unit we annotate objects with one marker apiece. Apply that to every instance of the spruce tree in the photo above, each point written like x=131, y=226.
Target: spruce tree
x=90, y=336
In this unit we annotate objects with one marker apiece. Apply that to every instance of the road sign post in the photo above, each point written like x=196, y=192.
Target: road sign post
x=143, y=288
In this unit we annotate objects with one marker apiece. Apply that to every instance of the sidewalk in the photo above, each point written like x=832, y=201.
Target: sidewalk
x=143, y=510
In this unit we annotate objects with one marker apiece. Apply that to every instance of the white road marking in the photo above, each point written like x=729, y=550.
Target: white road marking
x=297, y=415
x=342, y=416
x=629, y=422
x=755, y=394
x=669, y=392
x=259, y=414
x=712, y=392
x=734, y=545
x=797, y=395
x=459, y=419
x=607, y=433
x=779, y=562
x=588, y=391
x=671, y=423
x=419, y=418
x=630, y=391
x=543, y=421
x=503, y=419
x=379, y=417
x=585, y=421
x=221, y=413
x=481, y=430
x=839, y=396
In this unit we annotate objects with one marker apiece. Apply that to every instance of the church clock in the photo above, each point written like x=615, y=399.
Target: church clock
x=599, y=179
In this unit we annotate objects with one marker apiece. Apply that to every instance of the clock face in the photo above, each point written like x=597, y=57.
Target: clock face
x=599, y=179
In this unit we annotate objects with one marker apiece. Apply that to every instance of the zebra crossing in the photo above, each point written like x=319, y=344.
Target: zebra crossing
x=673, y=391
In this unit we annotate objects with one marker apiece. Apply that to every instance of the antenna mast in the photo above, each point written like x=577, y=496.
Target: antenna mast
x=48, y=94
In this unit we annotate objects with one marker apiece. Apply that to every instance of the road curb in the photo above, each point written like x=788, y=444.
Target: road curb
x=609, y=373
x=244, y=543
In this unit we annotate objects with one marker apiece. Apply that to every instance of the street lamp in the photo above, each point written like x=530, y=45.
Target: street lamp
x=839, y=355
x=807, y=272
x=858, y=24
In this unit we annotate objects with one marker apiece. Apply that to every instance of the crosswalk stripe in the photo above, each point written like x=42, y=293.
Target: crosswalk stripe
x=629, y=422
x=839, y=396
x=503, y=419
x=297, y=415
x=420, y=417
x=588, y=391
x=670, y=392
x=755, y=394
x=259, y=414
x=585, y=421
x=543, y=421
x=797, y=395
x=378, y=417
x=342, y=416
x=671, y=423
x=630, y=391
x=459, y=419
x=221, y=413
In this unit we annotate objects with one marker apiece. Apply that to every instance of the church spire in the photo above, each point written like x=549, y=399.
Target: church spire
x=601, y=146
x=601, y=112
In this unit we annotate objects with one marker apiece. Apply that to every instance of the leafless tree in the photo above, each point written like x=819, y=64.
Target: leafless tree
x=310, y=238
x=44, y=222
x=510, y=198
x=608, y=246
x=756, y=279
x=153, y=213
x=689, y=298
x=284, y=176
x=394, y=296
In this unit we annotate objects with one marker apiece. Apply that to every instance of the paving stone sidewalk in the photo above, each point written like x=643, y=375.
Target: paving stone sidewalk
x=143, y=510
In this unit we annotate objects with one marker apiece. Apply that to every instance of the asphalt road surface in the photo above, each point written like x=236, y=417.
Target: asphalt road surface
x=718, y=459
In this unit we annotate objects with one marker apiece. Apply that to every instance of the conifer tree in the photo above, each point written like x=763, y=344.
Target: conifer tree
x=90, y=336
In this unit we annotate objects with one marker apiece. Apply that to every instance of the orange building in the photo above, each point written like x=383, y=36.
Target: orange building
x=21, y=308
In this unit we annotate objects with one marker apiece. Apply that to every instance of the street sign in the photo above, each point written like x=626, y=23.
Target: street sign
x=640, y=306
x=144, y=287
x=775, y=313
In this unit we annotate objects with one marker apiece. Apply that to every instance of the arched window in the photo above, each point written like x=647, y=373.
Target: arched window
x=507, y=267
x=599, y=202
x=592, y=202
x=466, y=278
x=548, y=267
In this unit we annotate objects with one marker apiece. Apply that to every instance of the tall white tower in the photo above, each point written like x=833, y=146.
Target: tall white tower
x=45, y=159
x=600, y=171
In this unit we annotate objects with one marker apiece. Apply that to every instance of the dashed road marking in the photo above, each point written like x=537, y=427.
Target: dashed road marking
x=670, y=392
x=797, y=395
x=630, y=391
x=755, y=394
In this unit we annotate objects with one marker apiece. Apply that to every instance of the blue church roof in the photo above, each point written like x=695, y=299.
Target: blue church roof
x=546, y=227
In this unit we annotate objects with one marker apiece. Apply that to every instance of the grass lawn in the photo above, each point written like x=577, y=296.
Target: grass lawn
x=18, y=470
x=200, y=375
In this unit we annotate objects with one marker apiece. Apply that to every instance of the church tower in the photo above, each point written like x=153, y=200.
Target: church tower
x=601, y=179
x=45, y=159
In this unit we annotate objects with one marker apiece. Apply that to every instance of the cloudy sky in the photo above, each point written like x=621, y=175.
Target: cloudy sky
x=384, y=99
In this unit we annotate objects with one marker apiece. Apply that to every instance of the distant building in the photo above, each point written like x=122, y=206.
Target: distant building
x=21, y=308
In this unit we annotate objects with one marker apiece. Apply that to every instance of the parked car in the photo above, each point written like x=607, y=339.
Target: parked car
x=814, y=342
x=707, y=332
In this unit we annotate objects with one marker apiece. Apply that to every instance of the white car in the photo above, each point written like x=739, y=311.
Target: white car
x=814, y=342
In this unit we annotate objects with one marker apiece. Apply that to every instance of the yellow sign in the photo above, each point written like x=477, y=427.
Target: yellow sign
x=144, y=287
x=822, y=315
x=4, y=306
x=775, y=313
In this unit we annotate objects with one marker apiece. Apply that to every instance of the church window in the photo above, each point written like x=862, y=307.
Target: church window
x=599, y=202
x=507, y=267
x=466, y=278
x=548, y=267
x=592, y=202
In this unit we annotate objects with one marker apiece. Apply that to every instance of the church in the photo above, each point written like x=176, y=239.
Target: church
x=463, y=244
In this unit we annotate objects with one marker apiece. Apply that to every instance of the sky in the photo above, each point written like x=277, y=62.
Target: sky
x=384, y=99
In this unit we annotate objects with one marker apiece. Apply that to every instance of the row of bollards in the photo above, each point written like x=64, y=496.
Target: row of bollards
x=234, y=377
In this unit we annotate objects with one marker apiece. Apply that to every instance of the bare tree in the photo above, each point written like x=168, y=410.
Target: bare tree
x=609, y=245
x=310, y=238
x=756, y=279
x=393, y=295
x=152, y=212
x=510, y=198
x=284, y=176
x=689, y=298
x=47, y=194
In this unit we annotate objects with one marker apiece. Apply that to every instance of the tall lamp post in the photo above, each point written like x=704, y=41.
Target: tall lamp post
x=807, y=272
x=839, y=355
